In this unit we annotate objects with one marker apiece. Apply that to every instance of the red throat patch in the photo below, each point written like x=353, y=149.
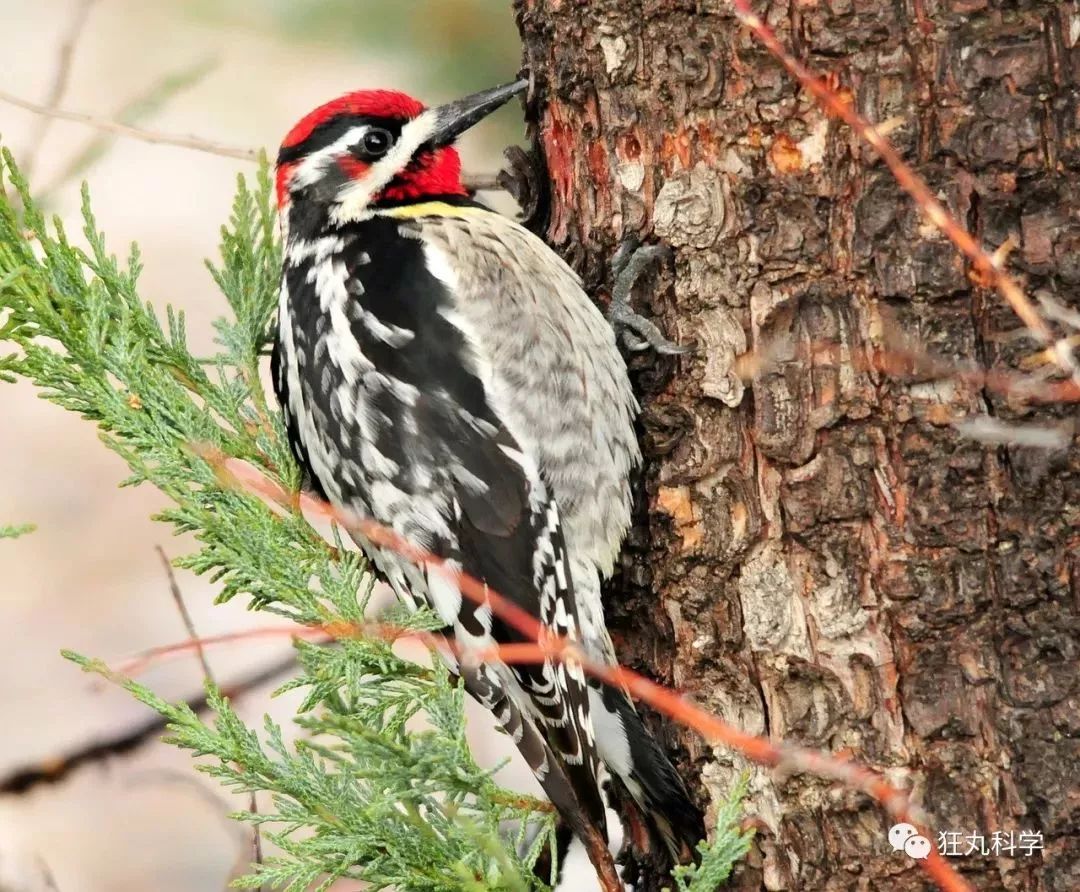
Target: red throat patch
x=430, y=174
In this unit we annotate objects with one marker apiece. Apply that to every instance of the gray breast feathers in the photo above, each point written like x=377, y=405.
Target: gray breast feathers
x=549, y=362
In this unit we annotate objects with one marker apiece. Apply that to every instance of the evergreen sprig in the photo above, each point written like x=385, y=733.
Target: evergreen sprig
x=364, y=794
x=729, y=846
x=14, y=531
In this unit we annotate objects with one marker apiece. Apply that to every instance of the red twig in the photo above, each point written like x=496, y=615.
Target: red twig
x=544, y=646
x=989, y=269
x=782, y=756
x=139, y=663
x=151, y=656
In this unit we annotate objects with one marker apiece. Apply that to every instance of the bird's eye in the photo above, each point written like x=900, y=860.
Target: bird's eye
x=376, y=142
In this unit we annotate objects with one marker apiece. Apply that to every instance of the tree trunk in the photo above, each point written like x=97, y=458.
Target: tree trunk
x=820, y=556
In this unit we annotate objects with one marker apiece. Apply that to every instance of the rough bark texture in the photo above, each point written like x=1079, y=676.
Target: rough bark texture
x=820, y=556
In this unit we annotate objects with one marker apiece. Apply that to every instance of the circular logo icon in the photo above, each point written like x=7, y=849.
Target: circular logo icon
x=899, y=834
x=918, y=847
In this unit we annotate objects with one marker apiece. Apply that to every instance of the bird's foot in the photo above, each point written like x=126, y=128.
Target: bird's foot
x=635, y=331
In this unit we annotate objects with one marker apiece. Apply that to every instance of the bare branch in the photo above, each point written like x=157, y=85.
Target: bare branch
x=151, y=136
x=185, y=615
x=55, y=769
x=155, y=655
x=483, y=182
x=142, y=105
x=178, y=598
x=61, y=77
x=21, y=868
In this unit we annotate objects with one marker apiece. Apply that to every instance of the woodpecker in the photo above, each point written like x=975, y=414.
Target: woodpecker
x=441, y=370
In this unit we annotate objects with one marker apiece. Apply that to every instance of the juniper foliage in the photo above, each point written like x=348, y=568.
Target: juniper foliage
x=730, y=844
x=363, y=794
x=14, y=531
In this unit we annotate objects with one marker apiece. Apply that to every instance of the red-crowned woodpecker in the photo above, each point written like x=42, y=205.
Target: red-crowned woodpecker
x=441, y=370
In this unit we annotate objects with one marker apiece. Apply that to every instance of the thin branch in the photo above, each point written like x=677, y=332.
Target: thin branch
x=990, y=271
x=152, y=136
x=142, y=105
x=475, y=182
x=56, y=769
x=185, y=615
x=482, y=182
x=61, y=78
x=156, y=655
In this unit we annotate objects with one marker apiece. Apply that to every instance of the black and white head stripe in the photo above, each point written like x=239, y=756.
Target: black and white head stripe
x=353, y=199
x=384, y=145
x=331, y=133
x=345, y=153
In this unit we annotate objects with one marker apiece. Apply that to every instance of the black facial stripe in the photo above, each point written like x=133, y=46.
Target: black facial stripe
x=330, y=131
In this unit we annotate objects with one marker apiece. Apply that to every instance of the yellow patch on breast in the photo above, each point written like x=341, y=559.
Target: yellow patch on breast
x=431, y=209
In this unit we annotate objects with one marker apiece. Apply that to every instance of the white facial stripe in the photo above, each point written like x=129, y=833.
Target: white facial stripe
x=312, y=168
x=354, y=198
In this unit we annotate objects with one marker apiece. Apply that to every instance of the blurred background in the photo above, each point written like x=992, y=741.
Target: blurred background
x=89, y=578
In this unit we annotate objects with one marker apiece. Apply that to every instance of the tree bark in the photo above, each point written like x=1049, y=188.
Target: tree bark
x=819, y=555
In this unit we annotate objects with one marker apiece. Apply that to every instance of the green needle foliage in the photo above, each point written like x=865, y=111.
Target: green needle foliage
x=368, y=792
x=13, y=532
x=718, y=859
x=365, y=795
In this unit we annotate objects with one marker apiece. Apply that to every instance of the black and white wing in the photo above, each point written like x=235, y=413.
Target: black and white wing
x=387, y=411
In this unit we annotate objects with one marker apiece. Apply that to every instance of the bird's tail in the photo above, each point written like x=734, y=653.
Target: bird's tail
x=573, y=788
x=632, y=754
x=575, y=872
x=625, y=746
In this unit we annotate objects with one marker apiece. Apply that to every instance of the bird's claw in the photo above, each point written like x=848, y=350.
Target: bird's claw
x=636, y=332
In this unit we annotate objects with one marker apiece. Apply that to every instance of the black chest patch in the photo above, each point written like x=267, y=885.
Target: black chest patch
x=388, y=389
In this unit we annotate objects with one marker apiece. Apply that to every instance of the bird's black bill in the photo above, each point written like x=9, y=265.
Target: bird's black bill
x=454, y=118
